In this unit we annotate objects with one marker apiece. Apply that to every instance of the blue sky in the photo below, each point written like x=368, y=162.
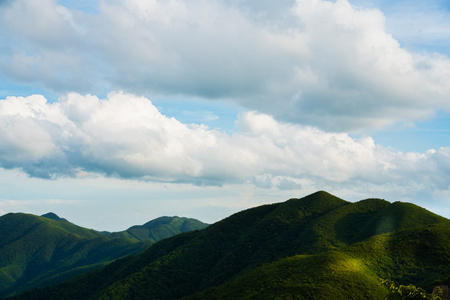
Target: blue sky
x=116, y=112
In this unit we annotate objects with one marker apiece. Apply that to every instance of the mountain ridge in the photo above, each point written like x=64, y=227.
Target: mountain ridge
x=159, y=228
x=343, y=234
x=43, y=250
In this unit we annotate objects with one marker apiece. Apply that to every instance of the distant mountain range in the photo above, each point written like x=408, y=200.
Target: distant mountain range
x=45, y=250
x=316, y=247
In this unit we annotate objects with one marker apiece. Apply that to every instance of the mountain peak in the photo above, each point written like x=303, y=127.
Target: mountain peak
x=53, y=216
x=163, y=227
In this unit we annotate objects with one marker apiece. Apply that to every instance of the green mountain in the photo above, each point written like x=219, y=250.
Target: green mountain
x=39, y=251
x=160, y=228
x=53, y=216
x=316, y=247
x=352, y=272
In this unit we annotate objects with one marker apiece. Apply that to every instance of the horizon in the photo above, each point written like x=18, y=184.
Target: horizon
x=114, y=113
x=177, y=216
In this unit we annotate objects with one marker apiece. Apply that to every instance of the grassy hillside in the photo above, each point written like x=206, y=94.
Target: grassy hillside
x=319, y=246
x=38, y=251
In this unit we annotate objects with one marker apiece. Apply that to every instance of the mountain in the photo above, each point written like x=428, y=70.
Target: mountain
x=39, y=251
x=53, y=216
x=160, y=228
x=316, y=247
x=353, y=272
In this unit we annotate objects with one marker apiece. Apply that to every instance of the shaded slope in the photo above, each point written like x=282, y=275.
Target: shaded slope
x=39, y=251
x=420, y=256
x=399, y=215
x=335, y=276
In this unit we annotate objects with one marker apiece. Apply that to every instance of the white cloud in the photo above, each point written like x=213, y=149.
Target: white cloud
x=126, y=136
x=311, y=62
x=419, y=25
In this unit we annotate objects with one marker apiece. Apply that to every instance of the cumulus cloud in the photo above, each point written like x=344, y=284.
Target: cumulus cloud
x=310, y=62
x=418, y=24
x=126, y=136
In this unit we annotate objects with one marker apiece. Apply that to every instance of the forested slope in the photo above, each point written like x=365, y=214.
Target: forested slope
x=319, y=246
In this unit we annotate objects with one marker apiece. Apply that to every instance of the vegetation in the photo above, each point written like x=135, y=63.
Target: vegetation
x=39, y=251
x=327, y=275
x=158, y=229
x=316, y=247
x=398, y=291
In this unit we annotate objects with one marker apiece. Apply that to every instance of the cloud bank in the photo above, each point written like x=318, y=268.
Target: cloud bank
x=125, y=136
x=311, y=62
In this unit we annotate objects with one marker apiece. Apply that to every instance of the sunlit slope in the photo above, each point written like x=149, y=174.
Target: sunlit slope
x=38, y=251
x=327, y=275
x=419, y=256
x=319, y=229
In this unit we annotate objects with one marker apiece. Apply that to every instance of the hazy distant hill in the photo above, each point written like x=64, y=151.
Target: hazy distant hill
x=159, y=229
x=37, y=251
x=53, y=216
x=316, y=247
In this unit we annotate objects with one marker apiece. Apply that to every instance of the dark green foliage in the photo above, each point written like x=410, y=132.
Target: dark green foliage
x=349, y=273
x=419, y=255
x=410, y=292
x=400, y=215
x=317, y=247
x=39, y=251
x=327, y=275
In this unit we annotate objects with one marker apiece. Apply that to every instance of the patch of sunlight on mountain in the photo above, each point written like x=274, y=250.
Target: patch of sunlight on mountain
x=347, y=265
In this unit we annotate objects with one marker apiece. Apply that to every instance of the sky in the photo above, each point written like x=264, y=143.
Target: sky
x=115, y=112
